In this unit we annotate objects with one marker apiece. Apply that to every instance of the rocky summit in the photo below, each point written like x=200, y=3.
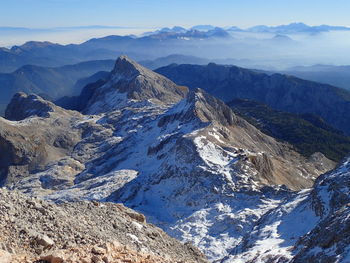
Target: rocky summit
x=183, y=159
x=130, y=81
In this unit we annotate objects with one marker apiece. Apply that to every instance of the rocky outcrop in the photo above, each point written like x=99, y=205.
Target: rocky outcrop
x=23, y=106
x=82, y=232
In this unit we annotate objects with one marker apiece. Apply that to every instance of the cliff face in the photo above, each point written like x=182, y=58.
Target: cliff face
x=279, y=91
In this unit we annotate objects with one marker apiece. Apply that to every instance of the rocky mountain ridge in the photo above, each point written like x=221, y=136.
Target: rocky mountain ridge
x=185, y=160
x=281, y=92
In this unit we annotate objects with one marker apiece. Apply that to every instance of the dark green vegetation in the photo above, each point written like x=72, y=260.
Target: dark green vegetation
x=307, y=133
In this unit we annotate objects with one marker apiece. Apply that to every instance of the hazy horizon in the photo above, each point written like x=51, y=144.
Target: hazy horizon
x=76, y=21
x=11, y=36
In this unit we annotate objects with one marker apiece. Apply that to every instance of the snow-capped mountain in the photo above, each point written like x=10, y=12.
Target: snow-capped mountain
x=184, y=159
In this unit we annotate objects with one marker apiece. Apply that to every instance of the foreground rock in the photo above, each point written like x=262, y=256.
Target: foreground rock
x=32, y=229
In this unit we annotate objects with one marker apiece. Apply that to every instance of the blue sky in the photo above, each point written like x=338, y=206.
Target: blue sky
x=160, y=13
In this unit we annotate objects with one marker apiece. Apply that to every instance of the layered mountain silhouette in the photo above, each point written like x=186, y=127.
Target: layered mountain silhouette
x=183, y=158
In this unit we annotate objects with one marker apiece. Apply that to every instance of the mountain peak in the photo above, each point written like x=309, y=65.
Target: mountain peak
x=127, y=68
x=131, y=81
x=210, y=109
x=201, y=109
x=125, y=64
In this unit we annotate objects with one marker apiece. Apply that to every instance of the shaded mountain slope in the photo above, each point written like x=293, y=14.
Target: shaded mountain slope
x=307, y=133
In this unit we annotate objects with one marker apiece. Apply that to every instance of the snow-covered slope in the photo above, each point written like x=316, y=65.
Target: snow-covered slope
x=310, y=226
x=188, y=163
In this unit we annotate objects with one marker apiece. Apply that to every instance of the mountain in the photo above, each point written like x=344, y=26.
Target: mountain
x=175, y=29
x=174, y=58
x=129, y=80
x=306, y=132
x=215, y=42
x=281, y=92
x=204, y=28
x=183, y=159
x=235, y=29
x=188, y=59
x=338, y=76
x=153, y=45
x=296, y=28
x=50, y=82
x=192, y=34
x=282, y=39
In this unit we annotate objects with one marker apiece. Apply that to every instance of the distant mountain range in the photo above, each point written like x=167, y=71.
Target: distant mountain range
x=147, y=47
x=296, y=28
x=335, y=75
x=281, y=29
x=201, y=41
x=26, y=29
